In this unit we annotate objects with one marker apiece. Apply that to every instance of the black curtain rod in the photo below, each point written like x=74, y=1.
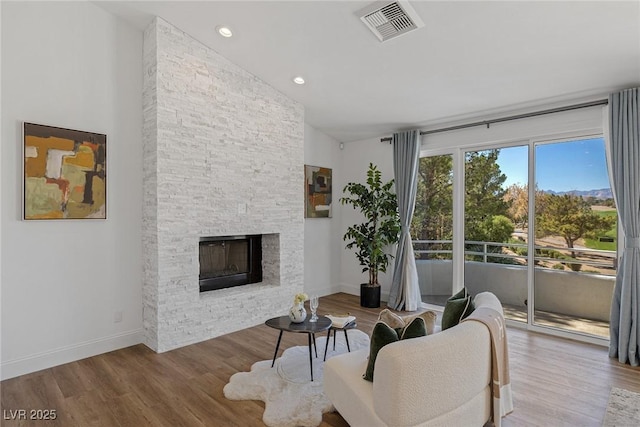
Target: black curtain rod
x=488, y=123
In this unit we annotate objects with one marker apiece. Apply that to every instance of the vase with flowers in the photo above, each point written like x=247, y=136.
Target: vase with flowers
x=297, y=312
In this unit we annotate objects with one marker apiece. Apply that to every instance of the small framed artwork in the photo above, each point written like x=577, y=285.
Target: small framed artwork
x=65, y=173
x=317, y=192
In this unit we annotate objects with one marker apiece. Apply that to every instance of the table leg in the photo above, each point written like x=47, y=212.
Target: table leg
x=310, y=357
x=277, y=347
x=314, y=345
x=334, y=340
x=326, y=345
x=346, y=337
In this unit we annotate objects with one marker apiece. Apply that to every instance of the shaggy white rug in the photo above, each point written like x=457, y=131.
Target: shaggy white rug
x=623, y=409
x=290, y=398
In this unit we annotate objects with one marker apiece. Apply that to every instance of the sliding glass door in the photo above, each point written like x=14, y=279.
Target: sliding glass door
x=432, y=228
x=495, y=226
x=575, y=236
x=532, y=222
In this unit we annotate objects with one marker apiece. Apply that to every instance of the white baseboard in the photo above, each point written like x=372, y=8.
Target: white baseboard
x=349, y=288
x=71, y=353
x=324, y=291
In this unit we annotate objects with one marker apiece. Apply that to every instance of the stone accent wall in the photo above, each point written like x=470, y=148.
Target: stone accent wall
x=223, y=155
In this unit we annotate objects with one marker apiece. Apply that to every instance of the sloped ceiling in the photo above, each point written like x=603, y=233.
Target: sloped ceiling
x=471, y=59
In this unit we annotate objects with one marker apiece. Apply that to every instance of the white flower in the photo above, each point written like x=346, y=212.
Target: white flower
x=300, y=298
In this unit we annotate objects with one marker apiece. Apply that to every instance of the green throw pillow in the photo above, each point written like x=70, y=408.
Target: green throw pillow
x=384, y=334
x=457, y=308
x=461, y=294
x=416, y=328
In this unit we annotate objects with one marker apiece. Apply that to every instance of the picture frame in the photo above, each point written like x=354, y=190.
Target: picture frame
x=318, y=192
x=64, y=173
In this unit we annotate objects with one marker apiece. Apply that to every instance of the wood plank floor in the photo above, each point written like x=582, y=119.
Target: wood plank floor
x=556, y=382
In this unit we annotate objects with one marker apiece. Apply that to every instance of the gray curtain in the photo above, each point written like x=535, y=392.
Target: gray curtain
x=624, y=162
x=405, y=290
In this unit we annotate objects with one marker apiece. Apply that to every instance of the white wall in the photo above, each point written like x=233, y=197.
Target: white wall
x=70, y=64
x=323, y=245
x=355, y=163
x=1, y=127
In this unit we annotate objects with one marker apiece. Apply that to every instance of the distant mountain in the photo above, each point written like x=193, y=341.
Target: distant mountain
x=603, y=193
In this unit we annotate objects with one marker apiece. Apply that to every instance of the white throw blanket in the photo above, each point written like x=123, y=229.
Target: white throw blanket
x=502, y=398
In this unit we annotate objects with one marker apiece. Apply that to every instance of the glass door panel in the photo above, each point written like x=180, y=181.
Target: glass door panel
x=432, y=228
x=575, y=237
x=496, y=226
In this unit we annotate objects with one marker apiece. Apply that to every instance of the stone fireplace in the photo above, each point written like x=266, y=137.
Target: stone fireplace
x=223, y=156
x=229, y=261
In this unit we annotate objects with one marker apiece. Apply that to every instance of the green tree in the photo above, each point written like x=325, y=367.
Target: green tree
x=484, y=196
x=498, y=228
x=570, y=217
x=381, y=227
x=433, y=215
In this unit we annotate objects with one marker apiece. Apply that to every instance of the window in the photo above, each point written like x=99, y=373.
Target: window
x=547, y=249
x=575, y=237
x=432, y=228
x=495, y=236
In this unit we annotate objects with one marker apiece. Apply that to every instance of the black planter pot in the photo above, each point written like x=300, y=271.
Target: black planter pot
x=369, y=296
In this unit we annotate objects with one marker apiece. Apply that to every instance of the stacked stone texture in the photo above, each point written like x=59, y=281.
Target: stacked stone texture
x=216, y=139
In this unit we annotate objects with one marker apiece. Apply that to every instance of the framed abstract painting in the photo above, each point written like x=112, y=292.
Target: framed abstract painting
x=65, y=173
x=318, y=192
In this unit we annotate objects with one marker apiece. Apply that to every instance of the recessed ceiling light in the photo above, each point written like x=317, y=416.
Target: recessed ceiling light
x=224, y=31
x=298, y=80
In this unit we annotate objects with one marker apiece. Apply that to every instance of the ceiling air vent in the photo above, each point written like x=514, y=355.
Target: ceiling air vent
x=390, y=19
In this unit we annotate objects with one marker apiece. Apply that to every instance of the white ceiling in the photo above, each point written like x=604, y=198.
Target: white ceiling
x=471, y=59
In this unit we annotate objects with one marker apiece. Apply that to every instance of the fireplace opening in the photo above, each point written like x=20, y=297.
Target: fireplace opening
x=230, y=261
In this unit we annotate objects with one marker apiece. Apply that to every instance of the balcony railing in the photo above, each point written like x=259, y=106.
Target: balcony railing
x=560, y=293
x=516, y=253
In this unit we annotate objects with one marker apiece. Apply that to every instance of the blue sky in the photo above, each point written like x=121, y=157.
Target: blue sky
x=566, y=166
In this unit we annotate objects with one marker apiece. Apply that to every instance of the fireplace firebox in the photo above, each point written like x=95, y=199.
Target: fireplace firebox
x=229, y=261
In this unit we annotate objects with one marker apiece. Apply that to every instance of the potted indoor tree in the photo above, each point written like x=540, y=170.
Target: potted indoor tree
x=381, y=228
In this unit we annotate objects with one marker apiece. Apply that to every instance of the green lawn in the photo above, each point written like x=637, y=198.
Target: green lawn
x=613, y=232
